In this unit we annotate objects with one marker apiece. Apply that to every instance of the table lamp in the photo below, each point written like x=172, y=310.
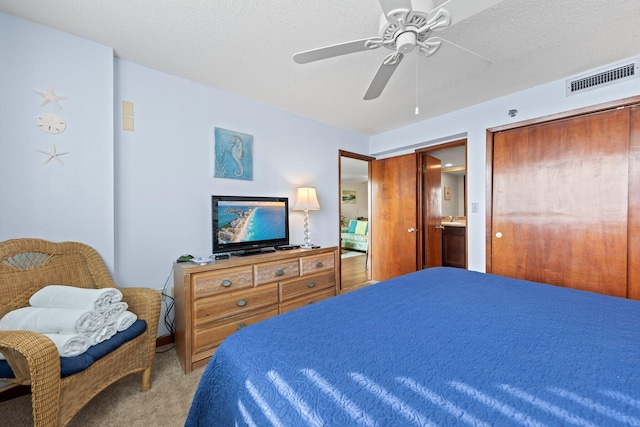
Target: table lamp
x=306, y=200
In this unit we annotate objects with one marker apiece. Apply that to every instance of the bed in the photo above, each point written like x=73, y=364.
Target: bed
x=441, y=346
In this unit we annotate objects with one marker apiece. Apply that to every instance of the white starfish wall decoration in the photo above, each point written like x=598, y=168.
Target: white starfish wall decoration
x=53, y=154
x=50, y=97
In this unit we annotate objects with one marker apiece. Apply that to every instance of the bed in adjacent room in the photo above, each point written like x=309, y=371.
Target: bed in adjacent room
x=441, y=346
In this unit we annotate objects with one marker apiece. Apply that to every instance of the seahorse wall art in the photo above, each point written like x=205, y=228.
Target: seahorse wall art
x=233, y=154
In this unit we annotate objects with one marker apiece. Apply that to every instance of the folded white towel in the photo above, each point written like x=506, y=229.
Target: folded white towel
x=52, y=320
x=72, y=297
x=125, y=320
x=68, y=345
x=103, y=334
x=114, y=311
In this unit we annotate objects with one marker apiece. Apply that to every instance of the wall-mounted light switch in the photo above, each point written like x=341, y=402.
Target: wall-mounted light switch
x=127, y=108
x=127, y=115
x=127, y=123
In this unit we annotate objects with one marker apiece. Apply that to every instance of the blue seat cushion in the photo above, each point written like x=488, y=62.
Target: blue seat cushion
x=75, y=364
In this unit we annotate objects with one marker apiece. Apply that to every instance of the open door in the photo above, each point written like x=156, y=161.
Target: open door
x=443, y=167
x=354, y=177
x=432, y=211
x=394, y=230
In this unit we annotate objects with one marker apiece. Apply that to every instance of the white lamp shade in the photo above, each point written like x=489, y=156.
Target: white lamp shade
x=306, y=199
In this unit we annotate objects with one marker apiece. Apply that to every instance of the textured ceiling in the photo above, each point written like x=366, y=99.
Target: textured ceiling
x=245, y=47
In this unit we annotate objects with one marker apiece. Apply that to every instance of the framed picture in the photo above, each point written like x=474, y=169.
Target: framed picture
x=348, y=196
x=447, y=193
x=233, y=154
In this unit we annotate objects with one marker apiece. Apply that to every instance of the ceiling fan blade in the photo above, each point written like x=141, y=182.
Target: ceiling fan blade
x=460, y=61
x=337, y=50
x=460, y=10
x=389, y=6
x=380, y=80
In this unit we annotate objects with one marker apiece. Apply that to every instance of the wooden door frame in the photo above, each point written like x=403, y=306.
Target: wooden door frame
x=634, y=100
x=368, y=159
x=420, y=212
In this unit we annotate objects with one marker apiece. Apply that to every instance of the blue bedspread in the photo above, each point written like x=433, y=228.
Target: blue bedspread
x=437, y=347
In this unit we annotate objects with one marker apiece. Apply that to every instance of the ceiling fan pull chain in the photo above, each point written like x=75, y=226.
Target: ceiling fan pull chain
x=417, y=109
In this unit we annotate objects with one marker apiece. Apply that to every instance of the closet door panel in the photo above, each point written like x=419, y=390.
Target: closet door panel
x=559, y=212
x=633, y=287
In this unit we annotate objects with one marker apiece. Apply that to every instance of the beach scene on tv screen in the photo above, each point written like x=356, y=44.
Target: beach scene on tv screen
x=250, y=221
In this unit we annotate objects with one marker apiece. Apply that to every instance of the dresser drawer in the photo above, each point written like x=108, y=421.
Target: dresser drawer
x=274, y=271
x=210, y=336
x=295, y=288
x=232, y=303
x=310, y=264
x=310, y=299
x=212, y=282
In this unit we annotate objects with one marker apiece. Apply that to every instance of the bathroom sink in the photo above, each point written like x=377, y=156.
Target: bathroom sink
x=458, y=223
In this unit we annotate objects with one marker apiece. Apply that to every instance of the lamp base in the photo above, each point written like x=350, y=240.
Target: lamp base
x=309, y=246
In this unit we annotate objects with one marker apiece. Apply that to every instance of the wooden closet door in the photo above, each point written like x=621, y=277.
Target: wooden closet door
x=633, y=280
x=560, y=202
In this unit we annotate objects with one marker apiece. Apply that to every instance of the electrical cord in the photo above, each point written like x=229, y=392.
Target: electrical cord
x=169, y=303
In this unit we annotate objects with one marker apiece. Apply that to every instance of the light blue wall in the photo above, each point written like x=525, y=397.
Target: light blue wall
x=57, y=202
x=164, y=169
x=142, y=198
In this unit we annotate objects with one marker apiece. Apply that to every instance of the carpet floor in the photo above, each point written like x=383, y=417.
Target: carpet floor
x=167, y=403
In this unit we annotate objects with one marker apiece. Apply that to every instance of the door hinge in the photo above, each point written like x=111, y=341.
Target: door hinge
x=424, y=168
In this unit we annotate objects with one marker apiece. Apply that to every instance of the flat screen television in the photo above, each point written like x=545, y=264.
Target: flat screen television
x=248, y=225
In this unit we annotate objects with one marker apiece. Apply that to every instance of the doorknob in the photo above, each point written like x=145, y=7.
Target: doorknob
x=498, y=235
x=411, y=230
x=440, y=227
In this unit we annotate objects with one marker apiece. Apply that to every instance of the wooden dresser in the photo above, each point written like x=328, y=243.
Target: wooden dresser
x=213, y=301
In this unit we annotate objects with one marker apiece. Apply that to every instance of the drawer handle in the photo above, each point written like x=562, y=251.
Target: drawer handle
x=242, y=325
x=311, y=284
x=226, y=283
x=242, y=302
x=279, y=272
x=319, y=264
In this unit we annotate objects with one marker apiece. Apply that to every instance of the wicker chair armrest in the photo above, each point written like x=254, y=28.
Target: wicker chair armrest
x=30, y=353
x=144, y=302
x=35, y=361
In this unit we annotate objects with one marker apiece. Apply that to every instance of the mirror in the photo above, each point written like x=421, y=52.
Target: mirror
x=453, y=180
x=453, y=187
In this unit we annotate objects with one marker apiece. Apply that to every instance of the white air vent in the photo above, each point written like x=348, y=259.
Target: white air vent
x=616, y=74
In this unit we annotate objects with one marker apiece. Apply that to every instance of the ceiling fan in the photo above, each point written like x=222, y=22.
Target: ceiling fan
x=406, y=25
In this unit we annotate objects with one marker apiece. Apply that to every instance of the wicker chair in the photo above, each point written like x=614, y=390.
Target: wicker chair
x=27, y=265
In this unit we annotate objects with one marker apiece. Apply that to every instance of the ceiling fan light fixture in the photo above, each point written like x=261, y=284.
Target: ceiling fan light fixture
x=406, y=41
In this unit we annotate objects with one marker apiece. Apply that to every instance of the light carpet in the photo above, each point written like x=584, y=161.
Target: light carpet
x=167, y=403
